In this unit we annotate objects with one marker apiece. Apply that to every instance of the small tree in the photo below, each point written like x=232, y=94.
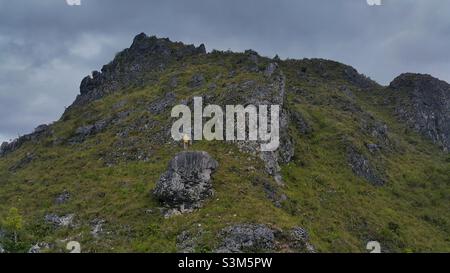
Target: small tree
x=13, y=222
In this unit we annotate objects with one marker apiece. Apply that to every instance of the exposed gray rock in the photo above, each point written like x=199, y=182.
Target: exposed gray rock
x=272, y=166
x=423, y=102
x=373, y=147
x=120, y=104
x=128, y=148
x=81, y=133
x=376, y=129
x=173, y=82
x=4, y=148
x=357, y=79
x=187, y=241
x=363, y=168
x=286, y=150
x=380, y=131
x=273, y=93
x=97, y=227
x=300, y=123
x=41, y=128
x=197, y=81
x=270, y=69
x=272, y=192
x=253, y=58
x=62, y=198
x=344, y=89
x=132, y=66
x=299, y=240
x=23, y=162
x=40, y=132
x=39, y=247
x=187, y=182
x=246, y=238
x=60, y=221
x=85, y=130
x=159, y=106
x=2, y=250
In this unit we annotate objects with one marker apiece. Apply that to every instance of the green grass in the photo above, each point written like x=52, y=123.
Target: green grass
x=341, y=211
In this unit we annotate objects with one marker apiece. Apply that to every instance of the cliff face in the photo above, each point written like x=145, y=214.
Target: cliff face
x=423, y=102
x=348, y=170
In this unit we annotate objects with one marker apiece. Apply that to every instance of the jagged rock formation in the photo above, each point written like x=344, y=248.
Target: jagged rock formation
x=40, y=132
x=187, y=182
x=271, y=93
x=423, y=102
x=132, y=66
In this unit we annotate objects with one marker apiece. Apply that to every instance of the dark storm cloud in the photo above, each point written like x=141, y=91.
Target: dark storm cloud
x=47, y=47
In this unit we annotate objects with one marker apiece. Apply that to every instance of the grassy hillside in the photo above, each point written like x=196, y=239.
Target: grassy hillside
x=110, y=173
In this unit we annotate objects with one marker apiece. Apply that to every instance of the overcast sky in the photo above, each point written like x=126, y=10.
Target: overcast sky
x=47, y=46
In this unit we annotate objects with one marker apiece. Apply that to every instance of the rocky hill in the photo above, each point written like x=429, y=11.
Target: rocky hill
x=358, y=161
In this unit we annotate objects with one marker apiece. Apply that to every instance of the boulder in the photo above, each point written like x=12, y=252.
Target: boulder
x=39, y=247
x=299, y=240
x=187, y=182
x=97, y=227
x=197, y=81
x=62, y=198
x=373, y=147
x=246, y=238
x=60, y=221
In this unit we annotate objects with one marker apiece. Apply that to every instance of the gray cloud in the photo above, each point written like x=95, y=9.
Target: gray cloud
x=47, y=47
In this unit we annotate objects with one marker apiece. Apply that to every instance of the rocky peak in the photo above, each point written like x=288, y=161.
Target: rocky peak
x=131, y=66
x=153, y=45
x=424, y=104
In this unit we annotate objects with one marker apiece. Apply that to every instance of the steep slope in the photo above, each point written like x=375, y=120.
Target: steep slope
x=349, y=169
